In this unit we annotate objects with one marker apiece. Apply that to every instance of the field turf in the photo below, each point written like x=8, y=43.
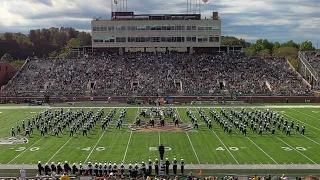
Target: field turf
x=202, y=146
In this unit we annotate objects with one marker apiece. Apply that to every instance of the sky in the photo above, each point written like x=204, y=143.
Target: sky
x=275, y=20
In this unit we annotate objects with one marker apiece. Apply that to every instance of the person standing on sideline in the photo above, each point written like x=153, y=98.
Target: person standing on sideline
x=23, y=174
x=161, y=151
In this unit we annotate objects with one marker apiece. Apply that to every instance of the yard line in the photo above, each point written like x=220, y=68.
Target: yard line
x=193, y=148
x=225, y=147
x=25, y=150
x=159, y=138
x=99, y=140
x=59, y=150
x=301, y=121
x=296, y=150
x=262, y=150
x=125, y=153
x=13, y=124
x=195, y=153
x=96, y=145
x=304, y=113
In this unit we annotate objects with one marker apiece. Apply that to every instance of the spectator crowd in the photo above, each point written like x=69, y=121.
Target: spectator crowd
x=149, y=74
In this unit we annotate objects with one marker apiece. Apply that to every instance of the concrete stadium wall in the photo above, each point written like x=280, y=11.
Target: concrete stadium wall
x=176, y=99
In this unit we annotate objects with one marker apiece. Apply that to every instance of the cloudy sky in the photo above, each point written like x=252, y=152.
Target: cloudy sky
x=276, y=20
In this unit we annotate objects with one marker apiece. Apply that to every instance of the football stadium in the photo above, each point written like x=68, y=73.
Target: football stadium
x=157, y=96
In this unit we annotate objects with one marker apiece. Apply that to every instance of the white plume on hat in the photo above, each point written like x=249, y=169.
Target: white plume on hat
x=39, y=162
x=52, y=162
x=66, y=162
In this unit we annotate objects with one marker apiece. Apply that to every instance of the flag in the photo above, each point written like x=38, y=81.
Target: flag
x=115, y=1
x=205, y=1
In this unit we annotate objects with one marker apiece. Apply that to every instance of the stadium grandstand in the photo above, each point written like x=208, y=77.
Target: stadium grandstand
x=157, y=55
x=181, y=129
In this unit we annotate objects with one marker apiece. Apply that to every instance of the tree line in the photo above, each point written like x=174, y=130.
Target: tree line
x=53, y=42
x=56, y=43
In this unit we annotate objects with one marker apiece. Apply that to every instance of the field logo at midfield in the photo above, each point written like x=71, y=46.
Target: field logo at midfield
x=156, y=149
x=13, y=140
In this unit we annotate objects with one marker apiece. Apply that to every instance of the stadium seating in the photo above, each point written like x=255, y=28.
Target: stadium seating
x=148, y=74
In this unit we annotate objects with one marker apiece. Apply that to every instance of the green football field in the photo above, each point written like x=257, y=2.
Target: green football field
x=200, y=146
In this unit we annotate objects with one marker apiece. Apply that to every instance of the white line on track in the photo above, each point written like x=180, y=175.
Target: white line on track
x=25, y=150
x=304, y=113
x=98, y=141
x=59, y=150
x=297, y=150
x=195, y=153
x=263, y=151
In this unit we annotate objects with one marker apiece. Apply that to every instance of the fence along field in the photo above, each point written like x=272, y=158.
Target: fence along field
x=195, y=146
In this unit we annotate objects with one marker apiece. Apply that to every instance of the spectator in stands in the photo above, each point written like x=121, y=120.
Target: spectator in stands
x=150, y=74
x=65, y=176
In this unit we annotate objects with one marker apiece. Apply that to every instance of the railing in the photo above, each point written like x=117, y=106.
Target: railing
x=313, y=72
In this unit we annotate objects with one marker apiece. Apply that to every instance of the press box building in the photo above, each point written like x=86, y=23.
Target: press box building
x=128, y=32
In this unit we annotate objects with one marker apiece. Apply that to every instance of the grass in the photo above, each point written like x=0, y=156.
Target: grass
x=201, y=147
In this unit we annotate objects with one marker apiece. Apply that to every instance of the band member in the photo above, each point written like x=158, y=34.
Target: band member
x=47, y=169
x=150, y=167
x=175, y=165
x=182, y=164
x=156, y=166
x=167, y=166
x=40, y=168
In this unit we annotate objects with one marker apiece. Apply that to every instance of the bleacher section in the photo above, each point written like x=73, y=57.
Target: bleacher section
x=148, y=74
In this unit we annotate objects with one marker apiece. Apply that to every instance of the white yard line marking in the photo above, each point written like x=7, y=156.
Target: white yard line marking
x=95, y=145
x=304, y=113
x=193, y=148
x=262, y=150
x=125, y=153
x=301, y=121
x=59, y=150
x=24, y=151
x=297, y=150
x=16, y=122
x=159, y=139
x=99, y=139
x=225, y=147
x=195, y=153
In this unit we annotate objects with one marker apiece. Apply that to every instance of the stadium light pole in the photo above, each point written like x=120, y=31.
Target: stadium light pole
x=300, y=44
x=187, y=6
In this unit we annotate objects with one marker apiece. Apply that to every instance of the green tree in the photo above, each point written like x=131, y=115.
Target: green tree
x=307, y=46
